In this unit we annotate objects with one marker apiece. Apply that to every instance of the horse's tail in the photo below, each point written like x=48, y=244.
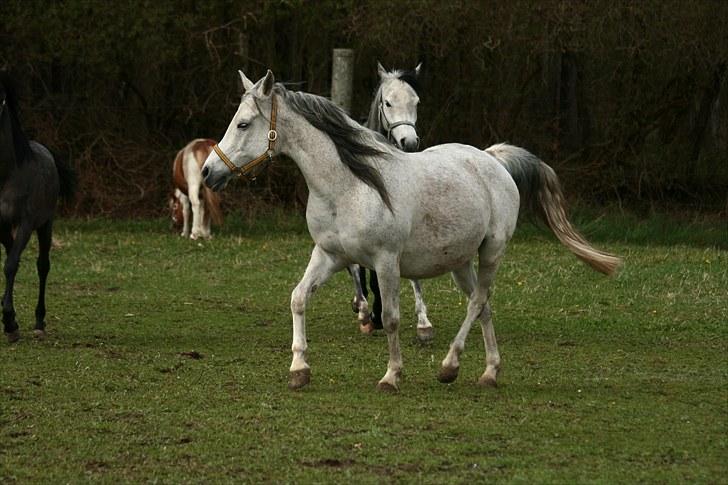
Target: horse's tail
x=540, y=190
x=212, y=205
x=67, y=178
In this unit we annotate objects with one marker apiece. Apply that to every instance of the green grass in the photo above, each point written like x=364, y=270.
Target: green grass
x=604, y=380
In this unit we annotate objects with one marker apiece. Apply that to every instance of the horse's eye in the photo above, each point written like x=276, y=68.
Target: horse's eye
x=243, y=125
x=386, y=103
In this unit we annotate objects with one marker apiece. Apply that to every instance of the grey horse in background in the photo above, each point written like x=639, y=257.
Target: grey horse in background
x=31, y=181
x=393, y=113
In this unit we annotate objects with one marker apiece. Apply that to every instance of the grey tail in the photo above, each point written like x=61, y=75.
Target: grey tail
x=540, y=191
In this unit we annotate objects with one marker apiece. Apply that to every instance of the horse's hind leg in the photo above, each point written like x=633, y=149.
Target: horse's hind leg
x=12, y=262
x=185, y=203
x=45, y=234
x=424, y=327
x=465, y=279
x=490, y=254
x=198, y=211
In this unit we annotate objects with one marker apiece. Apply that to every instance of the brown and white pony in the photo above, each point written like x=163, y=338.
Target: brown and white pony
x=190, y=194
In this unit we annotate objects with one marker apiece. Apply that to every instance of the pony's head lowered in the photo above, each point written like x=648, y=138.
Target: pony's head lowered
x=394, y=109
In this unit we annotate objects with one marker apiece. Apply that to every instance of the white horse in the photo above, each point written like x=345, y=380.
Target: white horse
x=412, y=215
x=189, y=195
x=393, y=113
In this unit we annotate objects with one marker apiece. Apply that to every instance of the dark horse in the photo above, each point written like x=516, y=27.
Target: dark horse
x=31, y=181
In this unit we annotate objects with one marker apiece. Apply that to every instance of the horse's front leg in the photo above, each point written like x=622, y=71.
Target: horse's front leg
x=425, y=331
x=388, y=274
x=12, y=263
x=359, y=304
x=320, y=268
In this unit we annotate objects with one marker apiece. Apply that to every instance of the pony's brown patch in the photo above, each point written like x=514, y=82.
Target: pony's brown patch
x=200, y=149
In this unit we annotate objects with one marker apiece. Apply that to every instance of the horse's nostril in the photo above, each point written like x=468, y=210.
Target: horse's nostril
x=205, y=171
x=402, y=142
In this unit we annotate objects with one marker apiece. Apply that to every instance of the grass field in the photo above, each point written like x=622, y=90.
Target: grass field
x=167, y=361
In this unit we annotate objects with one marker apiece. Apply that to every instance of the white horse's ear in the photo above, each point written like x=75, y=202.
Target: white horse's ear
x=265, y=87
x=380, y=69
x=418, y=69
x=247, y=83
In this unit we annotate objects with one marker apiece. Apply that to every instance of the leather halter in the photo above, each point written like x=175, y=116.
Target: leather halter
x=244, y=170
x=391, y=126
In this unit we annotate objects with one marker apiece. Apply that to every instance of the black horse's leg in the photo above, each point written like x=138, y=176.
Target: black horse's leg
x=45, y=234
x=363, y=279
x=12, y=262
x=377, y=305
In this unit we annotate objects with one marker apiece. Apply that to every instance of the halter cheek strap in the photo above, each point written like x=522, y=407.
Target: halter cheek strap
x=391, y=126
x=244, y=170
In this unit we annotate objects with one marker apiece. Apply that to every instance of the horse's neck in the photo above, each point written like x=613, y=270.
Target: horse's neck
x=315, y=155
x=8, y=152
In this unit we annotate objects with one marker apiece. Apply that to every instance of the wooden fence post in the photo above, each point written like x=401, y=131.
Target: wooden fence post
x=342, y=78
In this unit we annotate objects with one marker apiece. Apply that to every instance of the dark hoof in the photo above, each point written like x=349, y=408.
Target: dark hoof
x=448, y=374
x=387, y=387
x=487, y=381
x=39, y=333
x=366, y=328
x=13, y=336
x=425, y=335
x=299, y=378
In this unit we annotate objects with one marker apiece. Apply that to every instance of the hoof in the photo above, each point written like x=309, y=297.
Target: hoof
x=387, y=387
x=13, y=336
x=364, y=318
x=299, y=378
x=425, y=334
x=39, y=333
x=487, y=381
x=448, y=374
x=366, y=328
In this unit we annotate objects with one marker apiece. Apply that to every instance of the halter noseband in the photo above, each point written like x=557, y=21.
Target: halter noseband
x=244, y=170
x=391, y=126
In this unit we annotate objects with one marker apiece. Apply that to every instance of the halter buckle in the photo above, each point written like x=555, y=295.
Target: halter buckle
x=272, y=135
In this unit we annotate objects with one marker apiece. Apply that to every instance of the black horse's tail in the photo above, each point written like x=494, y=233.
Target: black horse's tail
x=540, y=190
x=67, y=178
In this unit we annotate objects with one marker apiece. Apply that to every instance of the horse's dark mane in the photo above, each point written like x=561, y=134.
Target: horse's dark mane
x=349, y=139
x=21, y=143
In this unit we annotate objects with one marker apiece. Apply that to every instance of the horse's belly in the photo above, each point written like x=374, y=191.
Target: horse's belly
x=438, y=253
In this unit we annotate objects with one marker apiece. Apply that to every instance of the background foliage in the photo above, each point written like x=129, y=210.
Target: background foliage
x=627, y=100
